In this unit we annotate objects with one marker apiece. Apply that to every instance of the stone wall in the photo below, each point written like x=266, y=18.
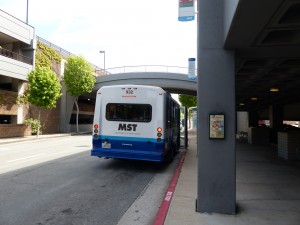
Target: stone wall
x=8, y=104
x=288, y=144
x=14, y=130
x=49, y=118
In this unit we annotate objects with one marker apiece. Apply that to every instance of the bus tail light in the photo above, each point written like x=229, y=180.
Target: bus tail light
x=96, y=126
x=159, y=134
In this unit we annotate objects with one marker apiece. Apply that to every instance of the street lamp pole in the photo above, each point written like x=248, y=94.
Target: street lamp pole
x=27, y=13
x=103, y=52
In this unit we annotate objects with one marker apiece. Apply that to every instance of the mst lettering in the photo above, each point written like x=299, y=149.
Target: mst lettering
x=127, y=127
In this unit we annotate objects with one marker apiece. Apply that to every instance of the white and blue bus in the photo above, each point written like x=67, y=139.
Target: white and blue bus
x=136, y=122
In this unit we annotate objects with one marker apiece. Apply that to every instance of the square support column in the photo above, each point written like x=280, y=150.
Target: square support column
x=20, y=116
x=276, y=116
x=276, y=121
x=66, y=108
x=253, y=119
x=216, y=94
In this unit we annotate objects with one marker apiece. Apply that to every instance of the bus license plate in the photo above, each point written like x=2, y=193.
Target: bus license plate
x=106, y=145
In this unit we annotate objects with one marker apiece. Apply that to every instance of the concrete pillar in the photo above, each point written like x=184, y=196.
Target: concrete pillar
x=276, y=117
x=276, y=121
x=216, y=94
x=66, y=103
x=242, y=121
x=253, y=119
x=66, y=108
x=20, y=116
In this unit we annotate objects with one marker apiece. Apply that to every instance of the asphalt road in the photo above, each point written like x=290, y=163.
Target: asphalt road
x=73, y=189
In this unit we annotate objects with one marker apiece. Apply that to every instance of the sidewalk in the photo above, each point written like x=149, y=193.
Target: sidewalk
x=34, y=137
x=268, y=190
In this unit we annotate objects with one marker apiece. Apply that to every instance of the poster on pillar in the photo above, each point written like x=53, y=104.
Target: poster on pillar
x=186, y=11
x=217, y=126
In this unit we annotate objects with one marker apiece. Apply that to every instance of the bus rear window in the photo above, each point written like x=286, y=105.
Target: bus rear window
x=129, y=112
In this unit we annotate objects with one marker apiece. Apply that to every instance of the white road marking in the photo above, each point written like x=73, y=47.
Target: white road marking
x=29, y=157
x=168, y=196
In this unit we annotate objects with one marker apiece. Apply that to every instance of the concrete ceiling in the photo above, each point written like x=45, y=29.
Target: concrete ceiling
x=5, y=39
x=266, y=37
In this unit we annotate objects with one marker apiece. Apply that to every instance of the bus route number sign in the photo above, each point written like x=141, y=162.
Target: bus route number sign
x=129, y=92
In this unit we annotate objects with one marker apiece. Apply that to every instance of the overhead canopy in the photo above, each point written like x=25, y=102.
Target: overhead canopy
x=266, y=37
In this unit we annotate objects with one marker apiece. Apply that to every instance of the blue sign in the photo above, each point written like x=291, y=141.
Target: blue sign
x=186, y=18
x=192, y=69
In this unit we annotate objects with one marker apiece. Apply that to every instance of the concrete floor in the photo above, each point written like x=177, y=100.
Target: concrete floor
x=268, y=190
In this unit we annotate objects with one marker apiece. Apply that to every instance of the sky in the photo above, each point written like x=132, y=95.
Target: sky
x=131, y=32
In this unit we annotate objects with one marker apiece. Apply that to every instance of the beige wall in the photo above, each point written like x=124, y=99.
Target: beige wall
x=14, y=130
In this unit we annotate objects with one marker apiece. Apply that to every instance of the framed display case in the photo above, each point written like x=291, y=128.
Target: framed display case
x=217, y=126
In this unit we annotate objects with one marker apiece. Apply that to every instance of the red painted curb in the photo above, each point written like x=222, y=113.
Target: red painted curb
x=164, y=207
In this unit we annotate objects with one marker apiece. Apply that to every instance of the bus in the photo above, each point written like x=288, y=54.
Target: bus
x=136, y=122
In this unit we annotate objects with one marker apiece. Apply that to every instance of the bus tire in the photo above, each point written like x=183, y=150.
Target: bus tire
x=170, y=155
x=176, y=146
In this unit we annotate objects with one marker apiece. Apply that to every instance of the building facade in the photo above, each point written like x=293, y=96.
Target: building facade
x=19, y=47
x=17, y=51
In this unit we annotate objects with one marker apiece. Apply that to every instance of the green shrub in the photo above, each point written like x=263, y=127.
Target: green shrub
x=35, y=124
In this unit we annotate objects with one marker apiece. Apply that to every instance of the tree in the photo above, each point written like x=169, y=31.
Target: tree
x=78, y=78
x=43, y=89
x=188, y=100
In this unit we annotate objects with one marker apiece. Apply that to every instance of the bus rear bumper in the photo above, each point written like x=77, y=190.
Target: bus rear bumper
x=123, y=154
